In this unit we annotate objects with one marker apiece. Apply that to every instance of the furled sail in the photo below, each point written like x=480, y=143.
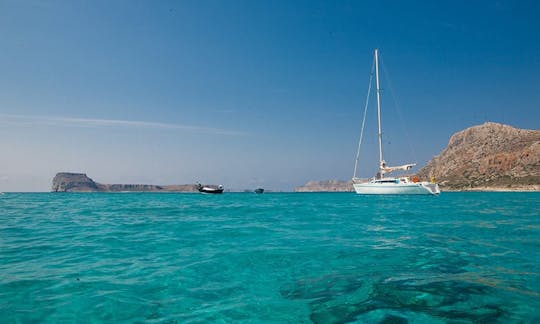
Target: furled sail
x=388, y=169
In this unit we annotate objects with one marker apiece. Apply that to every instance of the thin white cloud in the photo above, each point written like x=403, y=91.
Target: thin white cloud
x=226, y=111
x=25, y=120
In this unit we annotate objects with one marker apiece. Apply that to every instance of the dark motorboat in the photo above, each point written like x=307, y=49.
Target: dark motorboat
x=259, y=190
x=210, y=190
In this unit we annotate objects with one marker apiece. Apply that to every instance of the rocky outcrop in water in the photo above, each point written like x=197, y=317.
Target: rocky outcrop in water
x=80, y=182
x=326, y=186
x=65, y=181
x=488, y=157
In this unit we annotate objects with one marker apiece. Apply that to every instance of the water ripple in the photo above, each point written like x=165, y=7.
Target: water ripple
x=319, y=258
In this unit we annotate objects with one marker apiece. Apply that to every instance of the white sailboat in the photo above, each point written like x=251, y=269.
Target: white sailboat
x=383, y=184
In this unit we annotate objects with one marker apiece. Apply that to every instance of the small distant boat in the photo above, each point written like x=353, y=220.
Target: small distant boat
x=210, y=190
x=381, y=184
x=259, y=190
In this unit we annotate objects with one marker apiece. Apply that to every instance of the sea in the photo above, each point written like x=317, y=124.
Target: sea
x=269, y=258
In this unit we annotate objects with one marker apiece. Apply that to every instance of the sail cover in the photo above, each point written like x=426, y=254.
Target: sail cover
x=388, y=169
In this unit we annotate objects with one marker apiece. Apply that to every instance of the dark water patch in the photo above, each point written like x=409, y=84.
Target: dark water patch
x=339, y=299
x=393, y=319
x=323, y=289
x=444, y=300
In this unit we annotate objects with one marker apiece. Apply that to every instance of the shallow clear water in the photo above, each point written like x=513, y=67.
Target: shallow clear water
x=323, y=258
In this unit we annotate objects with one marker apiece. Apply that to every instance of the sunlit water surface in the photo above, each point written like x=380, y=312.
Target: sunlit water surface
x=276, y=257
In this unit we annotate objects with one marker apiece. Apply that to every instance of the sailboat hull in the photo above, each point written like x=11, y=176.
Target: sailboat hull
x=417, y=188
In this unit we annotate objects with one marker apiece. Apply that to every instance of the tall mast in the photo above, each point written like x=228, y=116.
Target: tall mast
x=379, y=106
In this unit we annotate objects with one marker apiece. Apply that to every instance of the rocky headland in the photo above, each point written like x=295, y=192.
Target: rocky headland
x=488, y=157
x=80, y=182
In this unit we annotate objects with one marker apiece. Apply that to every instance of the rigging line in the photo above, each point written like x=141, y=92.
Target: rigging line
x=398, y=109
x=364, y=118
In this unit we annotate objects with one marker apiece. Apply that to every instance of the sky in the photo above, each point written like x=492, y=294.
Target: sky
x=252, y=93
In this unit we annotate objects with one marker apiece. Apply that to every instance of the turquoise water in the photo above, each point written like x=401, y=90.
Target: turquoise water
x=296, y=258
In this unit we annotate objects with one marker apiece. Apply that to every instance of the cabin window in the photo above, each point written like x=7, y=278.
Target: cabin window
x=388, y=181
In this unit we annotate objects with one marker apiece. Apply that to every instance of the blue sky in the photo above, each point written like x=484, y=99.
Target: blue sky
x=251, y=93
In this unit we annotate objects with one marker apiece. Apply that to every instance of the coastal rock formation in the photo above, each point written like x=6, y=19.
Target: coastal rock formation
x=65, y=181
x=326, y=186
x=488, y=157
x=80, y=182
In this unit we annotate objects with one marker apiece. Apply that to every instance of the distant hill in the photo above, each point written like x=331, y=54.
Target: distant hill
x=80, y=182
x=488, y=157
x=326, y=186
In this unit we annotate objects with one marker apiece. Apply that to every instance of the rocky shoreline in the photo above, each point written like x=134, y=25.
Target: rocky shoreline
x=346, y=186
x=80, y=182
x=532, y=188
x=488, y=157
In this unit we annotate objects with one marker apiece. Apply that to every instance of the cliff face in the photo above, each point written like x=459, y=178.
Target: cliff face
x=326, y=186
x=489, y=156
x=486, y=157
x=65, y=181
x=80, y=182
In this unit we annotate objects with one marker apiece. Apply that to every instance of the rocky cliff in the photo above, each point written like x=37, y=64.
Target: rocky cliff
x=326, y=186
x=65, y=181
x=488, y=157
x=80, y=182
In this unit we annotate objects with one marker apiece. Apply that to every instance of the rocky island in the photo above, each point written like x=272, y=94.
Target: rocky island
x=80, y=182
x=488, y=157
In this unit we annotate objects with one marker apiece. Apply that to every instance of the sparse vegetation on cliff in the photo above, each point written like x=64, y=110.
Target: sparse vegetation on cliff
x=488, y=157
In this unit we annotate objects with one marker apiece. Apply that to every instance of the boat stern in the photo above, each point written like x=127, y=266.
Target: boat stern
x=432, y=187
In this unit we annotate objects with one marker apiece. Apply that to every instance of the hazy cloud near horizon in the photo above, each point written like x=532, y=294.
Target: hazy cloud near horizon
x=26, y=120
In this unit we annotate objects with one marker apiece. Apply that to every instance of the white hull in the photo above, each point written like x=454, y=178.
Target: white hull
x=415, y=188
